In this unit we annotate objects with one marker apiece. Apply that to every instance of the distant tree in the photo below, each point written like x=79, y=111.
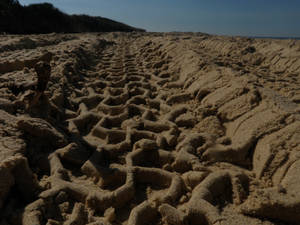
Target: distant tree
x=45, y=18
x=9, y=11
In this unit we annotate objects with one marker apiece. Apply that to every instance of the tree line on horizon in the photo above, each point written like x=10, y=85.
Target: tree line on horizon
x=45, y=18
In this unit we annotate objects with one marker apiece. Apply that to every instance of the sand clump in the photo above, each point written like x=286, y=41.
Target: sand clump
x=142, y=128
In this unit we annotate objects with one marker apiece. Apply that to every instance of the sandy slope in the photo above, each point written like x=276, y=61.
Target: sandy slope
x=150, y=129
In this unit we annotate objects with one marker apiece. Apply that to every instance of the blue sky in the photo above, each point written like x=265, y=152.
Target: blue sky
x=228, y=17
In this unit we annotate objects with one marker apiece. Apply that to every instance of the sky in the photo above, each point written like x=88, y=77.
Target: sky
x=276, y=18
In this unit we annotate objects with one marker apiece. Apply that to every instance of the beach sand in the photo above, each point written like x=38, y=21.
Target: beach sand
x=149, y=128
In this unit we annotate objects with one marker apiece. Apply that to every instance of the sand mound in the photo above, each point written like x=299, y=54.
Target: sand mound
x=149, y=129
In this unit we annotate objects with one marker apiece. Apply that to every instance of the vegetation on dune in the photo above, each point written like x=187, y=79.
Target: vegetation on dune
x=45, y=18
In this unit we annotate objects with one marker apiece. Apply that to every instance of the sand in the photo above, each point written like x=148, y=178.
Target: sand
x=149, y=128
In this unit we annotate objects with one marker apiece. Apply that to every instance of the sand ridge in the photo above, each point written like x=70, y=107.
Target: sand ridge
x=150, y=128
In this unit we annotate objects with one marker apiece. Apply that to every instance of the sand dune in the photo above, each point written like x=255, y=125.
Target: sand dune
x=149, y=128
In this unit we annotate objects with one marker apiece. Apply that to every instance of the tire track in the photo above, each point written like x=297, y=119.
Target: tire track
x=145, y=130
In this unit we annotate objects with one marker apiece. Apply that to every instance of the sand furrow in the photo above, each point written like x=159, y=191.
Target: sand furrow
x=149, y=129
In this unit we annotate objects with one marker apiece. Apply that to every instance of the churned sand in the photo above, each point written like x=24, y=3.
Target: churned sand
x=149, y=128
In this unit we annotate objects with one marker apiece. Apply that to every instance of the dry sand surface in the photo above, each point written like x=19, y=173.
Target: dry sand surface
x=149, y=128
